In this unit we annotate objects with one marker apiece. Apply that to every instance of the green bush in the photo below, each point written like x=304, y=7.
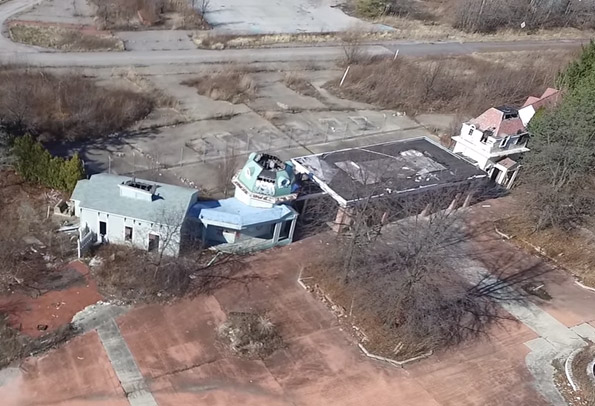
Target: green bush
x=36, y=164
x=371, y=8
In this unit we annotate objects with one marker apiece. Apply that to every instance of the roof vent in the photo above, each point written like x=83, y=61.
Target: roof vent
x=137, y=190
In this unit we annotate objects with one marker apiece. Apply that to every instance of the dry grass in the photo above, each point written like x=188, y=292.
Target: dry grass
x=134, y=275
x=579, y=368
x=367, y=327
x=28, y=267
x=435, y=19
x=64, y=39
x=65, y=107
x=299, y=84
x=233, y=84
x=250, y=335
x=14, y=346
x=577, y=254
x=148, y=14
x=463, y=84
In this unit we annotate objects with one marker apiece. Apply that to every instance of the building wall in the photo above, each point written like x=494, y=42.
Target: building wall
x=526, y=114
x=170, y=236
x=480, y=157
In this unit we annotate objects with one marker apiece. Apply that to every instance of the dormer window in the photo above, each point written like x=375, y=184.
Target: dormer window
x=484, y=137
x=504, y=142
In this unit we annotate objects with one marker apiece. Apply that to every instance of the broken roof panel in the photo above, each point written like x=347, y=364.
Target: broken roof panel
x=393, y=167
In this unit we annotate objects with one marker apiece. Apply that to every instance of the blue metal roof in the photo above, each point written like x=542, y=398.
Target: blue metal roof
x=236, y=215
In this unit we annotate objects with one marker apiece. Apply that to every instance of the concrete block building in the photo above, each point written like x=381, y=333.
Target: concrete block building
x=140, y=213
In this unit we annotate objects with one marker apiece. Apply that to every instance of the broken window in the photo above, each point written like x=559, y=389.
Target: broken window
x=128, y=233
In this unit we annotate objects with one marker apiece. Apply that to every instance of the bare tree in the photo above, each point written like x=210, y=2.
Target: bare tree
x=228, y=167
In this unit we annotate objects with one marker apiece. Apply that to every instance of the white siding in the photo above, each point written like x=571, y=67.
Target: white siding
x=526, y=114
x=169, y=236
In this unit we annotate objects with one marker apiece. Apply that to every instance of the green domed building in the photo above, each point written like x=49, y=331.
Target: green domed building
x=265, y=181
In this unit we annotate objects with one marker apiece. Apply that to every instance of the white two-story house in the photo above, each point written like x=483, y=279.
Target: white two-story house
x=494, y=141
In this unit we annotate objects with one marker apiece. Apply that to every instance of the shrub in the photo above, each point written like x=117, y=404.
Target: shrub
x=250, y=335
x=233, y=84
x=36, y=164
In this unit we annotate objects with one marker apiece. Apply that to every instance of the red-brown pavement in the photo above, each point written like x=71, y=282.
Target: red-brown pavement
x=79, y=373
x=174, y=347
x=54, y=308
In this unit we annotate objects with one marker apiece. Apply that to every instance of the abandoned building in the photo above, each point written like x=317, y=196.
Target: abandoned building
x=400, y=169
x=548, y=99
x=125, y=210
x=259, y=216
x=496, y=139
x=493, y=142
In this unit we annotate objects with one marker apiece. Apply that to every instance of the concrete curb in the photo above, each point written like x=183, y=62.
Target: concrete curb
x=393, y=362
x=568, y=368
x=584, y=286
x=591, y=371
x=399, y=364
x=501, y=234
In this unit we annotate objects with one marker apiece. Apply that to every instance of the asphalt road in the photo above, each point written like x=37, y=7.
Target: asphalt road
x=11, y=52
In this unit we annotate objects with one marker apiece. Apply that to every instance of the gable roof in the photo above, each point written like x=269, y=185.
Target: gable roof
x=550, y=97
x=493, y=120
x=101, y=192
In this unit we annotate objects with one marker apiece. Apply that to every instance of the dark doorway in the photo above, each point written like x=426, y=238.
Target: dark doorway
x=495, y=174
x=128, y=233
x=102, y=228
x=153, y=242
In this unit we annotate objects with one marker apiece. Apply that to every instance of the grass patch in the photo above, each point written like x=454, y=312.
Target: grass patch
x=233, y=84
x=577, y=254
x=66, y=107
x=250, y=335
x=64, y=39
x=464, y=84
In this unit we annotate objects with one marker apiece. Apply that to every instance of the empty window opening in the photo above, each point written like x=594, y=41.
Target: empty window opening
x=128, y=233
x=153, y=242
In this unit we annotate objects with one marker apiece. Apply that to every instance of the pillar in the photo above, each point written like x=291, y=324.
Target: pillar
x=343, y=219
x=467, y=202
x=509, y=185
x=292, y=229
x=277, y=232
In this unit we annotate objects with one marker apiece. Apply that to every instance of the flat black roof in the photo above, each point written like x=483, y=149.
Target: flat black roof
x=400, y=166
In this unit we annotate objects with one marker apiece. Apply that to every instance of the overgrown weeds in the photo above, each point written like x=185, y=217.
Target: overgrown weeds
x=233, y=84
x=133, y=275
x=250, y=335
x=65, y=107
x=299, y=84
x=466, y=85
x=135, y=14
